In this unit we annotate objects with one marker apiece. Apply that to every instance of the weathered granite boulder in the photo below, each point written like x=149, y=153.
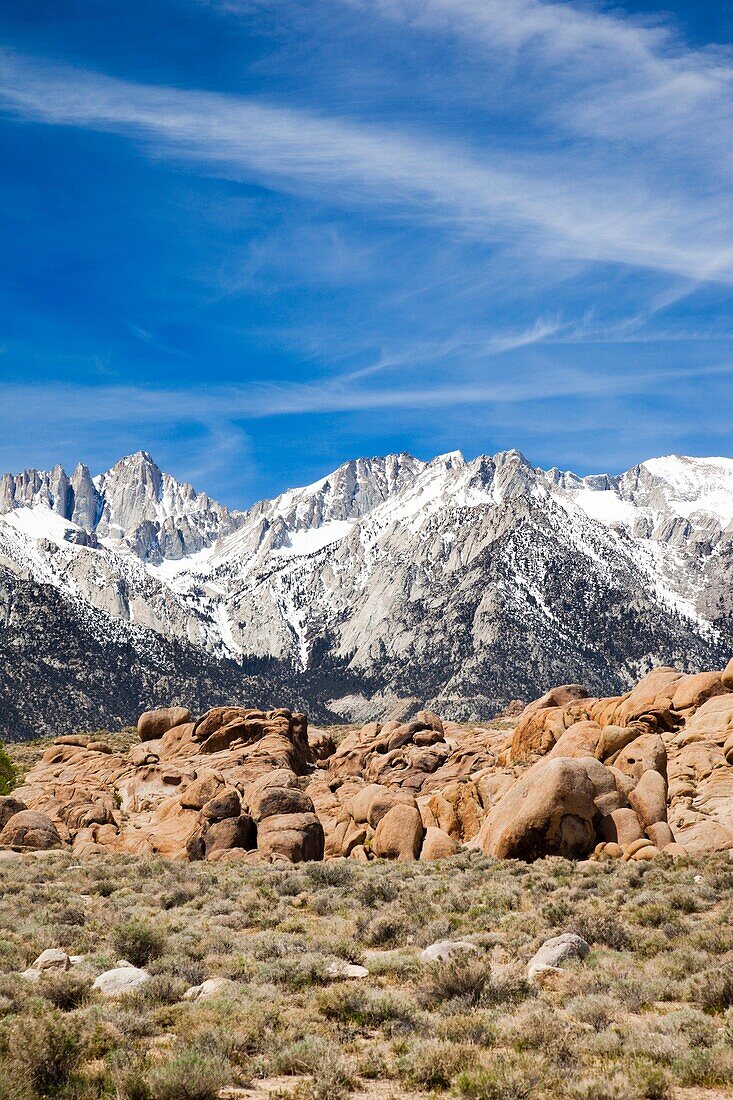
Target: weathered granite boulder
x=30, y=829
x=154, y=723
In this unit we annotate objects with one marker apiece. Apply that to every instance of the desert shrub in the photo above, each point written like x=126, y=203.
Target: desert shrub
x=713, y=988
x=65, y=991
x=684, y=900
x=189, y=1075
x=322, y=1059
x=302, y=1056
x=557, y=911
x=73, y=915
x=654, y=914
x=603, y=926
x=606, y=1086
x=697, y=1028
x=138, y=942
x=366, y=1007
x=596, y=1009
x=377, y=887
x=131, y=1084
x=434, y=930
x=8, y=774
x=45, y=1050
x=290, y=885
x=187, y=970
x=162, y=989
x=536, y=1027
x=508, y=984
x=325, y=902
x=430, y=1064
x=370, y=1063
x=332, y=1081
x=464, y=979
x=296, y=972
x=716, y=939
x=471, y=981
x=180, y=895
x=383, y=930
x=638, y=1082
x=705, y=1068
x=333, y=873
x=12, y=991
x=474, y=1026
x=504, y=1080
x=652, y=1082
x=343, y=948
x=12, y=1085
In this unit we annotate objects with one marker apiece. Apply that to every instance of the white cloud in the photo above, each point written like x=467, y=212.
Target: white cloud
x=556, y=204
x=71, y=404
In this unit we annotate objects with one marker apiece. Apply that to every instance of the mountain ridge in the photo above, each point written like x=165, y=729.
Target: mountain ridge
x=461, y=582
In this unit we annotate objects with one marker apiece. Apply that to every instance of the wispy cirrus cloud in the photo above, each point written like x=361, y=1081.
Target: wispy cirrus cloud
x=494, y=196
x=593, y=70
x=72, y=404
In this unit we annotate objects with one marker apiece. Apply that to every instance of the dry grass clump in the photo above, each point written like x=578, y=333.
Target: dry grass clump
x=650, y=1010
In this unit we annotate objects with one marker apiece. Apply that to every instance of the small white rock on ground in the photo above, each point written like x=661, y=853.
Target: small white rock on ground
x=556, y=951
x=212, y=987
x=120, y=980
x=446, y=950
x=341, y=969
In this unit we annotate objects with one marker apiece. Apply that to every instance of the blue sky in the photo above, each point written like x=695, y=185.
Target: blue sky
x=258, y=239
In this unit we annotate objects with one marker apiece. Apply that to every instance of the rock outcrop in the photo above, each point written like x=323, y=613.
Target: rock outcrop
x=633, y=777
x=189, y=790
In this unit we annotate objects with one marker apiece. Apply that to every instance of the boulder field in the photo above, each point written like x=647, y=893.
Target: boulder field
x=631, y=777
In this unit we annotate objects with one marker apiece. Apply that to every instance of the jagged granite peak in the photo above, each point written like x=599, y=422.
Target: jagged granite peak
x=312, y=516
x=349, y=492
x=148, y=512
x=87, y=502
x=463, y=583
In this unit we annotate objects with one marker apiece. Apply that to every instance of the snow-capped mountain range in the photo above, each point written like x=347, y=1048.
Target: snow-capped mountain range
x=459, y=583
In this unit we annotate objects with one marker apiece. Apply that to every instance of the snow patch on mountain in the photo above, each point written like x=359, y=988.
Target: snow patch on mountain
x=696, y=484
x=39, y=522
x=606, y=506
x=310, y=540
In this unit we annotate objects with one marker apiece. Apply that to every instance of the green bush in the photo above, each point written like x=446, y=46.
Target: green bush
x=138, y=942
x=45, y=1051
x=713, y=988
x=502, y=1081
x=12, y=1085
x=466, y=979
x=8, y=774
x=430, y=1064
x=189, y=1075
x=65, y=991
x=365, y=1007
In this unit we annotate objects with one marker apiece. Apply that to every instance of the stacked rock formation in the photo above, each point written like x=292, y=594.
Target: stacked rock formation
x=224, y=787
x=646, y=773
x=630, y=776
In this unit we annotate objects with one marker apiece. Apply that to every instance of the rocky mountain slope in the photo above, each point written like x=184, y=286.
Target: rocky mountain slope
x=460, y=584
x=67, y=666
